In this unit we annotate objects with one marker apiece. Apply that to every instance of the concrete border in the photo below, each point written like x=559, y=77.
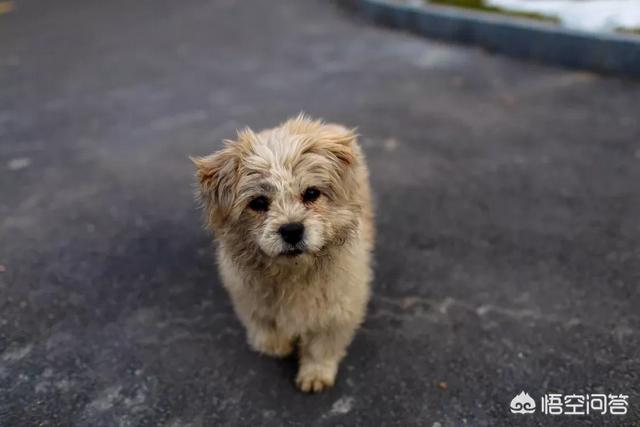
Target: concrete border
x=522, y=38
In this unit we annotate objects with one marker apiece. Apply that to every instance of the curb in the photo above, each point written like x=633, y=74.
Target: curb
x=605, y=53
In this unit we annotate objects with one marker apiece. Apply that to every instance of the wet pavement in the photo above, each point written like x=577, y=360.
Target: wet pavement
x=508, y=213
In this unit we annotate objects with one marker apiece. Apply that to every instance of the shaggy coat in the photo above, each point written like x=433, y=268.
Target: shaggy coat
x=312, y=294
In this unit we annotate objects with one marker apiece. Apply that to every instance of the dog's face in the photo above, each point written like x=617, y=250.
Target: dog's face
x=285, y=192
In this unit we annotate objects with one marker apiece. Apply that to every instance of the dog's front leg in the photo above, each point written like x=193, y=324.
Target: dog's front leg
x=265, y=338
x=320, y=353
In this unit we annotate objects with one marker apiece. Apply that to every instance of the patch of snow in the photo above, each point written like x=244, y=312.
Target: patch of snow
x=342, y=406
x=587, y=15
x=17, y=353
x=19, y=163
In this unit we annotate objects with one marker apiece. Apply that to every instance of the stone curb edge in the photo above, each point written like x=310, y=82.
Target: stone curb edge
x=521, y=38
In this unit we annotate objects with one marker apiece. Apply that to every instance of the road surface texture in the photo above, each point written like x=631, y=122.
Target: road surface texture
x=508, y=214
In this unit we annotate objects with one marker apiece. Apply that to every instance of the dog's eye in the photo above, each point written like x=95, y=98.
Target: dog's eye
x=311, y=194
x=259, y=204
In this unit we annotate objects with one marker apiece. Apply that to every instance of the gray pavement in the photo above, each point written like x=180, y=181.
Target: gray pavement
x=508, y=217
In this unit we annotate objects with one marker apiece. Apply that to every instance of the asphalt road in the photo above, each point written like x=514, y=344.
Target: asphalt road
x=508, y=203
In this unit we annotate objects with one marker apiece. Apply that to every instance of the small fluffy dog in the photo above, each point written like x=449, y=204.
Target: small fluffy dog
x=291, y=211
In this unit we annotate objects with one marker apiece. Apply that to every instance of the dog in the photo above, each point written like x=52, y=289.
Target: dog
x=291, y=211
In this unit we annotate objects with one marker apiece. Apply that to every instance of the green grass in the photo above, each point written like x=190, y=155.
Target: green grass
x=635, y=31
x=481, y=6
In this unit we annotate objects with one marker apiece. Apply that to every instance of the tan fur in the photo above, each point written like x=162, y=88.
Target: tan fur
x=317, y=299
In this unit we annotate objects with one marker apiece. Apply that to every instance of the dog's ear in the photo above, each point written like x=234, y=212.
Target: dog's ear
x=340, y=142
x=217, y=176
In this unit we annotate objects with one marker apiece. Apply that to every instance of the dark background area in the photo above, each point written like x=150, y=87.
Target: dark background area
x=508, y=219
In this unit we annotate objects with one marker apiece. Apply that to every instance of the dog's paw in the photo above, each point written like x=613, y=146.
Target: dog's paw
x=270, y=345
x=314, y=378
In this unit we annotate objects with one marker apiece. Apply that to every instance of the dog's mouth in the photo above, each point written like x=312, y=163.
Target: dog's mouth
x=294, y=252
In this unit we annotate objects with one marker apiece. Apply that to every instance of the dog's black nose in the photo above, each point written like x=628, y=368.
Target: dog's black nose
x=292, y=232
